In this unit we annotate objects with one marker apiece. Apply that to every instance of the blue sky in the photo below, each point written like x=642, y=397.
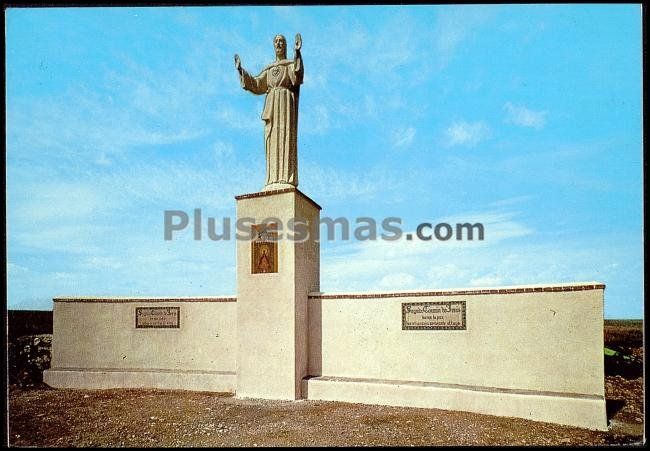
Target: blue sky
x=525, y=118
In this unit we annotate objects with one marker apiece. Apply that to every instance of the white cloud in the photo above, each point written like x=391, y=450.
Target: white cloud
x=520, y=115
x=455, y=24
x=103, y=263
x=399, y=266
x=315, y=120
x=486, y=281
x=103, y=160
x=223, y=149
x=498, y=225
x=440, y=275
x=403, y=137
x=70, y=238
x=467, y=134
x=14, y=268
x=423, y=264
x=370, y=105
x=510, y=201
x=332, y=186
x=391, y=50
x=54, y=200
x=239, y=120
x=90, y=126
x=316, y=80
x=397, y=281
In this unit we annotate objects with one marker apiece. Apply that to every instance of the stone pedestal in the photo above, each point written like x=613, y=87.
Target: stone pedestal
x=272, y=314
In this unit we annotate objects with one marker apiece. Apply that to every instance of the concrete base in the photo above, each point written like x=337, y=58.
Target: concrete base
x=585, y=411
x=101, y=378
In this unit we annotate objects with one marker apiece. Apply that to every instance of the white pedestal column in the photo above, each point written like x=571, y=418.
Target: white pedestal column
x=272, y=318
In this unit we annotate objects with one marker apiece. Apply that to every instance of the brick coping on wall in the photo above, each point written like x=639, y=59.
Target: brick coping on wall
x=582, y=286
x=277, y=191
x=118, y=299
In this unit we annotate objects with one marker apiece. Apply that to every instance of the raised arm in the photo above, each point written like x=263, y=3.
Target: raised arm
x=256, y=85
x=298, y=67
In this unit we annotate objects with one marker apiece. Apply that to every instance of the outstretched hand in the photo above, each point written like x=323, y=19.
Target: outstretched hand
x=298, y=42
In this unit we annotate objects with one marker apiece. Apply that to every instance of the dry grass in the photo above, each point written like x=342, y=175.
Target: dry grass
x=624, y=333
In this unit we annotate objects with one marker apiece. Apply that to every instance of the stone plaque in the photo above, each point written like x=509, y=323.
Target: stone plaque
x=264, y=249
x=434, y=316
x=157, y=317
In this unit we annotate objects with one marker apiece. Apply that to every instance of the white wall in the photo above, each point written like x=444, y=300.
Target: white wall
x=545, y=341
x=101, y=334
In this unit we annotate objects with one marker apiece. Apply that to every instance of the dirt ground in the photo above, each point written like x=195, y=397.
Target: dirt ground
x=41, y=416
x=128, y=418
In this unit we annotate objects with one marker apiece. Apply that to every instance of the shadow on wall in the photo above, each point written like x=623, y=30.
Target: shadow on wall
x=315, y=338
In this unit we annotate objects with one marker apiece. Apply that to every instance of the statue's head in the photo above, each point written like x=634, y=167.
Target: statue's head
x=280, y=45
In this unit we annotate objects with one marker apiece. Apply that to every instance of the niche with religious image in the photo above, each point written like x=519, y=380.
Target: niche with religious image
x=264, y=249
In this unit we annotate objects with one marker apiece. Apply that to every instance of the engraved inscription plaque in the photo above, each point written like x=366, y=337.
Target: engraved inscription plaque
x=434, y=316
x=264, y=249
x=157, y=317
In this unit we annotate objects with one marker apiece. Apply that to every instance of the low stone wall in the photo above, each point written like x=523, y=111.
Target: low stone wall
x=181, y=343
x=530, y=351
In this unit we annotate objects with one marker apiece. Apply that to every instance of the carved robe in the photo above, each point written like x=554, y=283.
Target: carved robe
x=280, y=81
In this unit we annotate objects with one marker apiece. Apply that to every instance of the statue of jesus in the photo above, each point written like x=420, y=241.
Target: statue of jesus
x=280, y=81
